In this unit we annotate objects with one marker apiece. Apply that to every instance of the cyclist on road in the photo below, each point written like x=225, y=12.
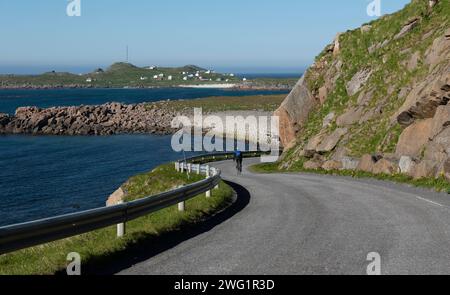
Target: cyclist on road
x=238, y=157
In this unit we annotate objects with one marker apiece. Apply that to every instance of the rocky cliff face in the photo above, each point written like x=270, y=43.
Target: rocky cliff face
x=377, y=98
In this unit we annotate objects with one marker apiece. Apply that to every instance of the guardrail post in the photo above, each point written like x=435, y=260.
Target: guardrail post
x=189, y=167
x=177, y=166
x=208, y=173
x=199, y=167
x=120, y=226
x=181, y=206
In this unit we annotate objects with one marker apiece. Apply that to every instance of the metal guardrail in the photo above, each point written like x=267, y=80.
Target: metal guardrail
x=20, y=236
x=24, y=235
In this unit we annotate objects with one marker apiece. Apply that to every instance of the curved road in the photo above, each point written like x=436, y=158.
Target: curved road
x=315, y=224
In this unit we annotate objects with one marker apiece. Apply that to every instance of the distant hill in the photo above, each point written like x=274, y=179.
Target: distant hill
x=121, y=74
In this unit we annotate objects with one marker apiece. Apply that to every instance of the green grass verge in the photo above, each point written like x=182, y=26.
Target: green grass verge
x=101, y=245
x=439, y=184
x=267, y=103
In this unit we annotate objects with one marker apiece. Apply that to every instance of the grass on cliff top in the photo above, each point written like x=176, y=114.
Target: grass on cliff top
x=268, y=103
x=439, y=185
x=102, y=246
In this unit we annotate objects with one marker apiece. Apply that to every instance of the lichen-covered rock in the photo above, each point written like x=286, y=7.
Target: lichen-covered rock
x=349, y=163
x=406, y=165
x=409, y=26
x=366, y=164
x=425, y=169
x=116, y=197
x=312, y=165
x=332, y=165
x=330, y=142
x=294, y=111
x=350, y=117
x=358, y=80
x=385, y=166
x=414, y=138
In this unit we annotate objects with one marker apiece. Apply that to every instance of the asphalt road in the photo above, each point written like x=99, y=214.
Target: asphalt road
x=314, y=224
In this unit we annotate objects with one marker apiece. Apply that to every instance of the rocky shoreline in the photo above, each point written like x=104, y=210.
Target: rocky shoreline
x=107, y=119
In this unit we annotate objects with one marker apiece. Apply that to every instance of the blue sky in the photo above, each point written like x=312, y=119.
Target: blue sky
x=238, y=35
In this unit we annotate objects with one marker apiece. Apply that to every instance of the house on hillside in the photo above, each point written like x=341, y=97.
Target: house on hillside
x=89, y=80
x=143, y=78
x=170, y=78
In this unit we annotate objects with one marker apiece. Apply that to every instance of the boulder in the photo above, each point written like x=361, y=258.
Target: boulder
x=441, y=120
x=446, y=169
x=312, y=165
x=330, y=142
x=414, y=138
x=412, y=63
x=438, y=51
x=313, y=143
x=116, y=197
x=358, y=81
x=323, y=94
x=425, y=169
x=385, y=166
x=366, y=28
x=366, y=164
x=409, y=26
x=337, y=46
x=328, y=119
x=432, y=3
x=350, y=117
x=332, y=165
x=349, y=163
x=406, y=165
x=294, y=111
x=288, y=128
x=423, y=101
x=4, y=119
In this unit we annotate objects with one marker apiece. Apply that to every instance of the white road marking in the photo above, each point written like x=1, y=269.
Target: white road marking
x=429, y=201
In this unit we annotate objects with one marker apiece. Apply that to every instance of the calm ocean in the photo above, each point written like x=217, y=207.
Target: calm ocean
x=45, y=176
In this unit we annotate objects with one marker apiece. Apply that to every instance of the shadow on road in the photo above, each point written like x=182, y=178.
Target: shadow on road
x=153, y=246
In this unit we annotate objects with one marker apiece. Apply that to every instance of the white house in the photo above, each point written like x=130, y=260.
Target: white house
x=185, y=78
x=143, y=78
x=161, y=75
x=155, y=77
x=231, y=75
x=170, y=78
x=89, y=80
x=152, y=68
x=245, y=79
